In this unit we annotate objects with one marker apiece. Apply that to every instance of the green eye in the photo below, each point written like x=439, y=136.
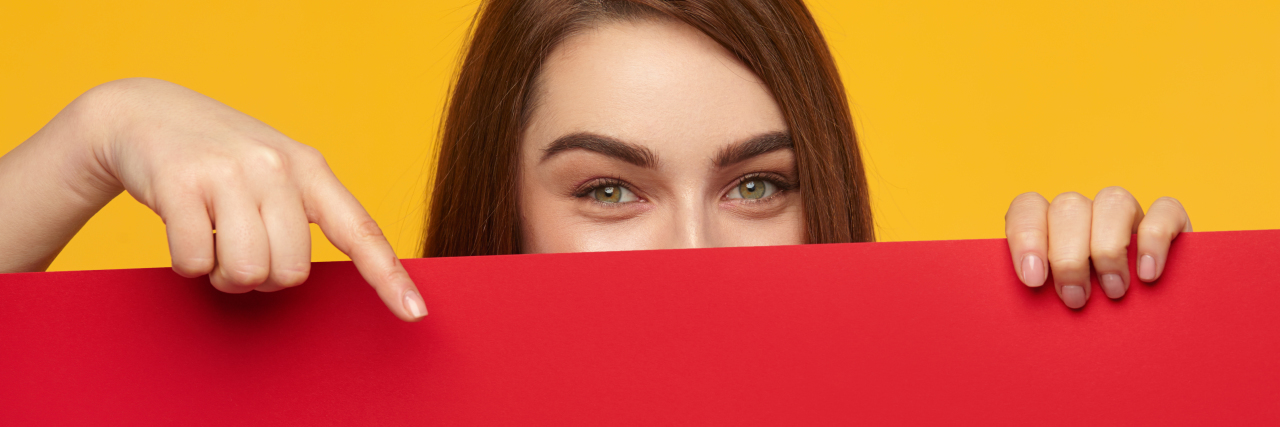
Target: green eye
x=608, y=194
x=613, y=194
x=753, y=189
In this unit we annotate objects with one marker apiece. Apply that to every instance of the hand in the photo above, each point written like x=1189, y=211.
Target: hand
x=202, y=165
x=1063, y=236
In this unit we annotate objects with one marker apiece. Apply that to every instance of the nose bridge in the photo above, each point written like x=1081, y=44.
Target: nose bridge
x=692, y=225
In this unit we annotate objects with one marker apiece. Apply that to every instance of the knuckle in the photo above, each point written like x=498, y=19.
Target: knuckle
x=312, y=167
x=367, y=230
x=1113, y=194
x=1070, y=198
x=1072, y=204
x=1115, y=204
x=1110, y=252
x=1155, y=230
x=266, y=159
x=193, y=266
x=290, y=277
x=311, y=154
x=1167, y=202
x=1028, y=237
x=1023, y=204
x=1069, y=263
x=221, y=170
x=1028, y=200
x=220, y=166
x=246, y=275
x=220, y=281
x=395, y=275
x=1029, y=197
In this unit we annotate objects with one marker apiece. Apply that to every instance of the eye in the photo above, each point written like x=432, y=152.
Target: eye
x=613, y=194
x=753, y=189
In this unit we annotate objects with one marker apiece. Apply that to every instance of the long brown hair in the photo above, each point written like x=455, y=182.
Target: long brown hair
x=473, y=205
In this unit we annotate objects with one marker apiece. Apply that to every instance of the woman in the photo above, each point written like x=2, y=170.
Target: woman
x=574, y=125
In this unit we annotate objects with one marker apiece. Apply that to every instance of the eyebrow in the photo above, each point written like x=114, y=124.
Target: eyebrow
x=641, y=156
x=758, y=145
x=601, y=144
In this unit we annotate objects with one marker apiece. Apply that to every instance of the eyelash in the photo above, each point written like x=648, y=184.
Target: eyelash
x=780, y=182
x=584, y=191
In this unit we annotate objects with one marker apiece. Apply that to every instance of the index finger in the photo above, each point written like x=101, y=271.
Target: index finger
x=350, y=228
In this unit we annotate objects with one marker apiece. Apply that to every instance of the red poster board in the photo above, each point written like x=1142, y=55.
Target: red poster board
x=881, y=333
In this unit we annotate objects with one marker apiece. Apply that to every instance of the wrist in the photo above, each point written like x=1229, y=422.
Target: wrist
x=53, y=183
x=88, y=139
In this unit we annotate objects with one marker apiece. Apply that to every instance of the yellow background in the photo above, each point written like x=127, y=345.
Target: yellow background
x=960, y=105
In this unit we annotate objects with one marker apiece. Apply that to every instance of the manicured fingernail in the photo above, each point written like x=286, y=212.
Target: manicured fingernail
x=413, y=303
x=1112, y=285
x=1147, y=268
x=1033, y=271
x=1073, y=296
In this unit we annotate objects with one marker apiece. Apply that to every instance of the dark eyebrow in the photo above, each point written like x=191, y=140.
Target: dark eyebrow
x=761, y=144
x=626, y=152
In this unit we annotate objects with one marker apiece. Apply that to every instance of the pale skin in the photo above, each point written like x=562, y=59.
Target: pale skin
x=645, y=135
x=667, y=93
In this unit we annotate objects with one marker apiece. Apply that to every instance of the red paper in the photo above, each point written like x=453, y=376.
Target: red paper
x=881, y=333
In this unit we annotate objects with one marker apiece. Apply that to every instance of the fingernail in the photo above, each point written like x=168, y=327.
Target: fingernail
x=1073, y=296
x=413, y=303
x=1033, y=272
x=1112, y=285
x=1147, y=268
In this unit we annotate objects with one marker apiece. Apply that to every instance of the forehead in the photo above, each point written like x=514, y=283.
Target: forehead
x=655, y=82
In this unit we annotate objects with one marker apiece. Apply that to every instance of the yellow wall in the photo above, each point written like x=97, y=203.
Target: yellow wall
x=961, y=105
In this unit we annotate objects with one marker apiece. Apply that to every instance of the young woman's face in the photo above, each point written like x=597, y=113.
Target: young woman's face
x=650, y=135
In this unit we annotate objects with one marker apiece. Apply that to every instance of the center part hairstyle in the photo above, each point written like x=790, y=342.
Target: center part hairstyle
x=473, y=205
